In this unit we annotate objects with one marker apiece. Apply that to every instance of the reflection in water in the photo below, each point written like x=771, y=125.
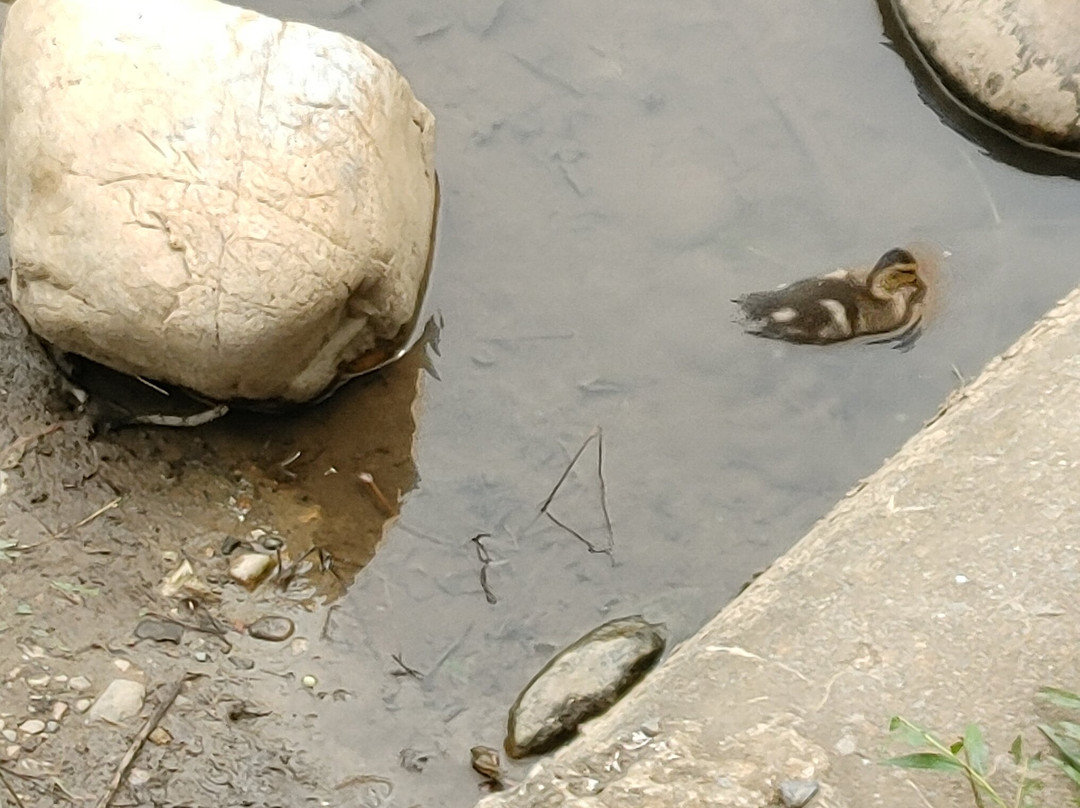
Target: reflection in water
x=327, y=479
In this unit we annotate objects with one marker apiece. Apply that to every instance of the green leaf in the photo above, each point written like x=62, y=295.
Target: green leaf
x=1072, y=773
x=80, y=589
x=1016, y=751
x=956, y=747
x=1068, y=748
x=1062, y=698
x=911, y=734
x=978, y=754
x=934, y=761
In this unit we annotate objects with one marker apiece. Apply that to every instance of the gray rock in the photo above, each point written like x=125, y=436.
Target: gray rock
x=797, y=793
x=582, y=682
x=213, y=197
x=1015, y=62
x=153, y=628
x=272, y=628
x=121, y=700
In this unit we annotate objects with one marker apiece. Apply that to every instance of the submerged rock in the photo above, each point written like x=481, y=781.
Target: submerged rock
x=581, y=682
x=1014, y=63
x=203, y=195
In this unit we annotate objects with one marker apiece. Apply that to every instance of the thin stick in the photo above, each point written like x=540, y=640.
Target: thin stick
x=11, y=791
x=485, y=558
x=108, y=506
x=405, y=669
x=369, y=481
x=137, y=742
x=566, y=473
x=597, y=434
x=198, y=419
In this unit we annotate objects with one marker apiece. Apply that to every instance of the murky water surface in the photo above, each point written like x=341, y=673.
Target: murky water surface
x=613, y=174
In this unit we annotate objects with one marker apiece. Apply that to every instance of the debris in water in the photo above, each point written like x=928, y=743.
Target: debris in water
x=404, y=670
x=581, y=682
x=486, y=763
x=183, y=582
x=485, y=560
x=598, y=435
x=413, y=760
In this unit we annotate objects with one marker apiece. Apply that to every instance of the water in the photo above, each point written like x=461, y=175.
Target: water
x=613, y=174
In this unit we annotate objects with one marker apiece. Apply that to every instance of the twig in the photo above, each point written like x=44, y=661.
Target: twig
x=108, y=506
x=137, y=742
x=369, y=481
x=11, y=791
x=405, y=669
x=598, y=435
x=485, y=559
x=198, y=419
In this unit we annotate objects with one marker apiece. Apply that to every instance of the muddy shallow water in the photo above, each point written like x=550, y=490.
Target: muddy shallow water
x=613, y=174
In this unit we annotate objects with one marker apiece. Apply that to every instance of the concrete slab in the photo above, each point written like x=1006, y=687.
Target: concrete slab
x=945, y=588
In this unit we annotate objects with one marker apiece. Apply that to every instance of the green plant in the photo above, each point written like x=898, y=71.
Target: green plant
x=969, y=756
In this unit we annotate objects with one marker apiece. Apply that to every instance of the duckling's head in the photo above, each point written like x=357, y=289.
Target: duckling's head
x=895, y=274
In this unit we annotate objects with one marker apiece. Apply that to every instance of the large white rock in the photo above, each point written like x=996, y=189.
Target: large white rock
x=1018, y=60
x=207, y=196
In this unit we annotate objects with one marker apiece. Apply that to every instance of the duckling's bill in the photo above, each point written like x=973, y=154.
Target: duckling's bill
x=889, y=300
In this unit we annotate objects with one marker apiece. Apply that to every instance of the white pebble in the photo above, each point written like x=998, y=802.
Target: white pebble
x=33, y=726
x=79, y=683
x=121, y=700
x=309, y=681
x=82, y=705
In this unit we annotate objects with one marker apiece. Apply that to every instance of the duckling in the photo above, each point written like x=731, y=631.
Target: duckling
x=845, y=304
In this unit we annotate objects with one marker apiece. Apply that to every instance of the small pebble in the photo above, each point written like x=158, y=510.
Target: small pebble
x=59, y=710
x=272, y=542
x=9, y=734
x=309, y=681
x=272, y=628
x=202, y=656
x=170, y=557
x=151, y=628
x=33, y=726
x=797, y=793
x=122, y=665
x=138, y=777
x=160, y=736
x=82, y=705
x=243, y=663
x=230, y=544
x=250, y=568
x=79, y=683
x=13, y=751
x=60, y=678
x=121, y=700
x=39, y=681
x=51, y=726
